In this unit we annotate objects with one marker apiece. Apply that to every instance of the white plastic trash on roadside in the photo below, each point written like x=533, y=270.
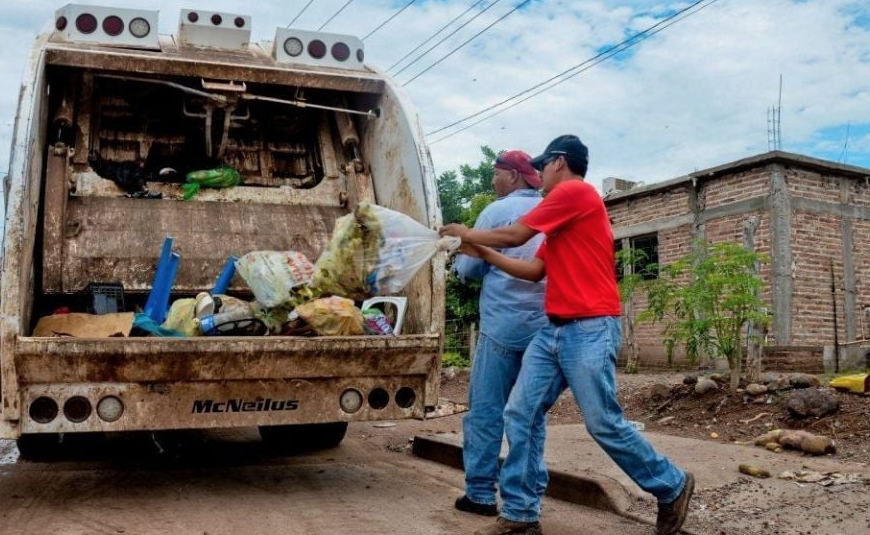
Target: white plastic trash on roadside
x=375, y=251
x=273, y=275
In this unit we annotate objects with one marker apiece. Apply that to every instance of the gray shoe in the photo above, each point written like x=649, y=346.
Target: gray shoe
x=509, y=527
x=672, y=515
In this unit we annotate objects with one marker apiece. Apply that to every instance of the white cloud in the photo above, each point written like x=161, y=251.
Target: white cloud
x=691, y=97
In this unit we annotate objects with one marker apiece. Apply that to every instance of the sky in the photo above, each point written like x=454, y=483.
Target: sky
x=694, y=96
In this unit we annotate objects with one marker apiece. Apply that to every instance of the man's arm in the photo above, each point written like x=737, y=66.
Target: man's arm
x=510, y=236
x=531, y=270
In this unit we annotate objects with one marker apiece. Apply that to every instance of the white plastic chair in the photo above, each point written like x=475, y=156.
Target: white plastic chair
x=401, y=304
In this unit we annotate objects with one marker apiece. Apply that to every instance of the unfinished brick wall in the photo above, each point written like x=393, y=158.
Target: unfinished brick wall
x=812, y=185
x=815, y=239
x=646, y=208
x=735, y=188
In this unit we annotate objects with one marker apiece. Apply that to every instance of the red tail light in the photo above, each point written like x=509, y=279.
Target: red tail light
x=60, y=23
x=113, y=25
x=317, y=49
x=193, y=16
x=240, y=22
x=360, y=54
x=86, y=23
x=216, y=19
x=340, y=51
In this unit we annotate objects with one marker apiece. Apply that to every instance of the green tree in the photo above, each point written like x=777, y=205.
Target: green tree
x=705, y=300
x=628, y=261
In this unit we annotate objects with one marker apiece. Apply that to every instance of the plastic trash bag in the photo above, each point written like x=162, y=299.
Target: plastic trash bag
x=331, y=316
x=275, y=276
x=182, y=318
x=376, y=322
x=221, y=177
x=374, y=251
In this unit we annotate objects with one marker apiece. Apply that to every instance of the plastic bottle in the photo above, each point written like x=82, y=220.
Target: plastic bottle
x=209, y=324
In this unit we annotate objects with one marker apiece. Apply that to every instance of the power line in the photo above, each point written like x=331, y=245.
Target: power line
x=396, y=14
x=300, y=13
x=446, y=37
x=434, y=35
x=473, y=37
x=587, y=64
x=334, y=15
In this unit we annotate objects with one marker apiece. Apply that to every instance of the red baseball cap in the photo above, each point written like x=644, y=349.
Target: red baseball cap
x=519, y=161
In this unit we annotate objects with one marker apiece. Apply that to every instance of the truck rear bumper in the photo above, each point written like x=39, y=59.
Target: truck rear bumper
x=227, y=382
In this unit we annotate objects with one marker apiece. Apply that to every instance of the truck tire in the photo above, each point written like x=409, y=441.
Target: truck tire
x=303, y=437
x=39, y=447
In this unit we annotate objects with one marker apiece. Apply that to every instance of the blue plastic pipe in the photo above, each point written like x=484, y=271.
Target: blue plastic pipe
x=159, y=275
x=164, y=288
x=226, y=276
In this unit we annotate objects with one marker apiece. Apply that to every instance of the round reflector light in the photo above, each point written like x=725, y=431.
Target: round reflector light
x=110, y=408
x=77, y=409
x=239, y=22
x=113, y=25
x=216, y=19
x=43, y=410
x=340, y=51
x=293, y=46
x=86, y=23
x=193, y=16
x=140, y=27
x=405, y=397
x=317, y=49
x=360, y=54
x=350, y=400
x=60, y=23
x=378, y=398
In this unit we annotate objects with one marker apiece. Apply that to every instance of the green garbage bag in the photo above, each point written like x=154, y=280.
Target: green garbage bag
x=221, y=177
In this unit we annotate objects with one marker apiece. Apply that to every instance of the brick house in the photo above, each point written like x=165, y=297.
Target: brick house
x=808, y=215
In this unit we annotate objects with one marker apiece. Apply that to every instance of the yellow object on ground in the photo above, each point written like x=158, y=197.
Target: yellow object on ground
x=858, y=384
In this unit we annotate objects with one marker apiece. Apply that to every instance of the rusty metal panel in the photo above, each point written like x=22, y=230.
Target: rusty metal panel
x=118, y=239
x=77, y=360
x=56, y=193
x=243, y=66
x=218, y=404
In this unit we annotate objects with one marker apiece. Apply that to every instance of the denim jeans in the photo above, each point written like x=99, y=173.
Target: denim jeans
x=581, y=356
x=493, y=374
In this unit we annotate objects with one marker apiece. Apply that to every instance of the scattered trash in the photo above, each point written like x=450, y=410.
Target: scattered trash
x=756, y=417
x=220, y=177
x=795, y=439
x=857, y=384
x=638, y=426
x=275, y=276
x=376, y=322
x=714, y=435
x=332, y=316
x=80, y=325
x=665, y=420
x=826, y=479
x=374, y=251
x=753, y=471
x=105, y=298
x=384, y=425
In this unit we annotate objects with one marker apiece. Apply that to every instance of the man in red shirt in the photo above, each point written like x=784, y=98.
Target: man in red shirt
x=577, y=349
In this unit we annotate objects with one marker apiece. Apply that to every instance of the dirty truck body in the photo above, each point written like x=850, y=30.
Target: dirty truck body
x=304, y=164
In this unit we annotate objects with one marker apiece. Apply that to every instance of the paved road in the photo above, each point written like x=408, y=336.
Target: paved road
x=227, y=484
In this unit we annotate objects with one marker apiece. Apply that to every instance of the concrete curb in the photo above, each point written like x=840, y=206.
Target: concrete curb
x=597, y=492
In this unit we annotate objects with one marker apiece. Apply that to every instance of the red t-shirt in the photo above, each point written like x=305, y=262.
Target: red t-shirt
x=578, y=252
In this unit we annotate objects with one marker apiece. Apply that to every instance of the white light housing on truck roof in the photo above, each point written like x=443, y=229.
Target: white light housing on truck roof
x=130, y=28
x=318, y=49
x=203, y=28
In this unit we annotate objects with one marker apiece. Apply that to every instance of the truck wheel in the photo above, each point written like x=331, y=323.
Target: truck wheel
x=303, y=437
x=39, y=447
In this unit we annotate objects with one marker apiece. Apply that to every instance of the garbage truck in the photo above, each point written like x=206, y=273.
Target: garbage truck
x=110, y=115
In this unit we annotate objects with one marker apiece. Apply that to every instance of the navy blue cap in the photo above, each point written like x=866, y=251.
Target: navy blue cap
x=568, y=146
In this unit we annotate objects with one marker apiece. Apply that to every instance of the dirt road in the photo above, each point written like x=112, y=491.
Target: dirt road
x=227, y=484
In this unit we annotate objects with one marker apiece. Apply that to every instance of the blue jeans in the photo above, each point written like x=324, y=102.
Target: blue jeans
x=493, y=374
x=581, y=356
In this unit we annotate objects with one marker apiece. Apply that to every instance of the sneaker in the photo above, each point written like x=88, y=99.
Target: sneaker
x=672, y=515
x=508, y=527
x=486, y=509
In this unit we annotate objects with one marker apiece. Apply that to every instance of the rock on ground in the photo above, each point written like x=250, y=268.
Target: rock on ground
x=812, y=402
